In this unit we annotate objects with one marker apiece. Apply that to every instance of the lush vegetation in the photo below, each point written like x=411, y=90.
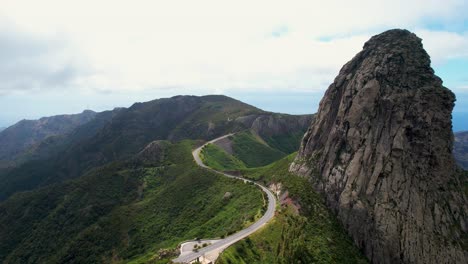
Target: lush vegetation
x=125, y=212
x=177, y=118
x=248, y=151
x=252, y=152
x=287, y=143
x=216, y=158
x=312, y=236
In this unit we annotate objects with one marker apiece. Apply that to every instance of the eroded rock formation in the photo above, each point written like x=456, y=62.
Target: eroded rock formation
x=380, y=149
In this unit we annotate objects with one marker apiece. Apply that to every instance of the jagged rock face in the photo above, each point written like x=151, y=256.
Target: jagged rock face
x=380, y=149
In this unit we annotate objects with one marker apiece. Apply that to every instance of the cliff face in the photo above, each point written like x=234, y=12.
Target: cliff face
x=380, y=149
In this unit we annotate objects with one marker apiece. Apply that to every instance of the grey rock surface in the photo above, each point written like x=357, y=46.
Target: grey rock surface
x=380, y=150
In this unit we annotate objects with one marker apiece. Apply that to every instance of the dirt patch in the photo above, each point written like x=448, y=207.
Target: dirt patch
x=285, y=201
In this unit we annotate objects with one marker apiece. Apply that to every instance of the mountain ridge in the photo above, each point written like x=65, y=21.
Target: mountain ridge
x=120, y=134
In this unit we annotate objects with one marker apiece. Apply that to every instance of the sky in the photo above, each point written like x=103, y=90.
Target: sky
x=61, y=57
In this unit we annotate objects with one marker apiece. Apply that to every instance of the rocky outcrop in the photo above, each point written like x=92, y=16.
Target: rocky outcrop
x=380, y=150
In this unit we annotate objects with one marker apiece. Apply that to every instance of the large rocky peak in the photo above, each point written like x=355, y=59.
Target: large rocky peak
x=380, y=149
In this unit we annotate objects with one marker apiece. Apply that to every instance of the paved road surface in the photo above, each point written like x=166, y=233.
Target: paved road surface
x=187, y=247
x=222, y=244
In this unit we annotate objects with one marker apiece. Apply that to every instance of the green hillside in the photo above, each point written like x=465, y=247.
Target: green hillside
x=125, y=211
x=127, y=132
x=216, y=158
x=287, y=143
x=252, y=152
x=248, y=151
x=311, y=236
x=123, y=188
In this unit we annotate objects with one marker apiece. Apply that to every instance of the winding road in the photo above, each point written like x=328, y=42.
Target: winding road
x=218, y=247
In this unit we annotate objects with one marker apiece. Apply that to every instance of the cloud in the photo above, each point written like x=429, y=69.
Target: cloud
x=279, y=31
x=443, y=46
x=29, y=63
x=208, y=46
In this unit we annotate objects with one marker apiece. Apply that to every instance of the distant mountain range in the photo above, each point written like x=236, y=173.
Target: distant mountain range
x=460, y=149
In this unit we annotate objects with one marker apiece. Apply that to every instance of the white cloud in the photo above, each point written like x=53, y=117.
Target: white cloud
x=29, y=63
x=443, y=46
x=217, y=46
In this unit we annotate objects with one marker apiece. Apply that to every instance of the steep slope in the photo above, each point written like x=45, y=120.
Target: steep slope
x=15, y=140
x=380, y=149
x=135, y=210
x=460, y=149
